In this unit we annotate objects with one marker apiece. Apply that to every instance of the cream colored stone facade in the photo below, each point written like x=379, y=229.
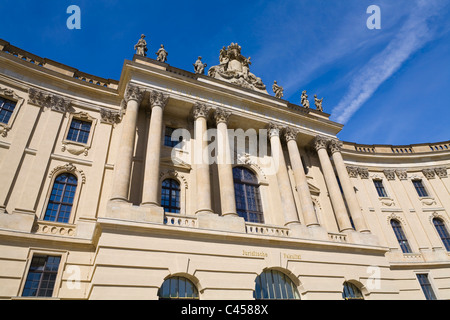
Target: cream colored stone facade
x=119, y=244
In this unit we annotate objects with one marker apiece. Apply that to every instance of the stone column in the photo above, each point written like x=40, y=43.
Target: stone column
x=122, y=168
x=337, y=201
x=226, y=181
x=347, y=187
x=200, y=112
x=158, y=101
x=300, y=178
x=287, y=197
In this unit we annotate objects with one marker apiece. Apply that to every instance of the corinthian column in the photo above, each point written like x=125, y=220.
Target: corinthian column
x=226, y=181
x=153, y=154
x=287, y=197
x=200, y=112
x=300, y=178
x=122, y=168
x=337, y=201
x=347, y=187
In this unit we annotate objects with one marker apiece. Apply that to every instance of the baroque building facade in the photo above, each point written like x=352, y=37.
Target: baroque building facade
x=106, y=192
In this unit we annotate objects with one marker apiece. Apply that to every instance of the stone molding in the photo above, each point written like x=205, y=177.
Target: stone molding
x=441, y=172
x=320, y=142
x=135, y=93
x=352, y=171
x=70, y=168
x=335, y=145
x=290, y=134
x=109, y=116
x=401, y=174
x=429, y=173
x=390, y=174
x=274, y=129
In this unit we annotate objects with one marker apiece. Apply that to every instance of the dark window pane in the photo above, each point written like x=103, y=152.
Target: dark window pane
x=418, y=185
x=380, y=188
x=401, y=238
x=6, y=109
x=178, y=288
x=61, y=199
x=248, y=200
x=272, y=284
x=170, y=196
x=443, y=233
x=41, y=276
x=351, y=292
x=79, y=131
x=426, y=286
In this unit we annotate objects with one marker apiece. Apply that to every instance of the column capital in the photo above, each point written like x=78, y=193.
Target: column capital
x=320, y=142
x=274, y=129
x=200, y=110
x=335, y=145
x=290, y=134
x=158, y=99
x=135, y=93
x=222, y=115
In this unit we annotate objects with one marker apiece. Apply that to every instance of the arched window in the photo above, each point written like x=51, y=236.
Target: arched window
x=442, y=231
x=273, y=284
x=351, y=292
x=61, y=199
x=248, y=200
x=170, y=196
x=401, y=238
x=178, y=288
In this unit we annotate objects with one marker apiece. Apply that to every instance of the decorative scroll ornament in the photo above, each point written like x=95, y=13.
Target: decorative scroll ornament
x=390, y=174
x=363, y=173
x=429, y=173
x=70, y=168
x=157, y=98
x=48, y=100
x=320, y=142
x=235, y=68
x=109, y=116
x=401, y=174
x=352, y=171
x=441, y=172
x=290, y=134
x=274, y=129
x=335, y=145
x=221, y=115
x=200, y=110
x=134, y=93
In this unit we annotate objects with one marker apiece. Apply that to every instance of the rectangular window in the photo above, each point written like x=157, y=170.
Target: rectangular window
x=426, y=286
x=168, y=142
x=41, y=276
x=6, y=109
x=79, y=131
x=380, y=188
x=418, y=184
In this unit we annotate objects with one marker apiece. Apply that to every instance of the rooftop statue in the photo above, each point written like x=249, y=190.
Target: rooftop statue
x=199, y=66
x=162, y=54
x=304, y=100
x=235, y=68
x=279, y=91
x=141, y=46
x=318, y=103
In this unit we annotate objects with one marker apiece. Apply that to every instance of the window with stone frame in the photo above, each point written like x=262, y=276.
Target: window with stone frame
x=79, y=131
x=380, y=188
x=41, y=277
x=420, y=188
x=248, y=198
x=6, y=109
x=61, y=200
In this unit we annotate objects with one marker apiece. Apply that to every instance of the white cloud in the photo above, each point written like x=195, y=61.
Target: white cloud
x=413, y=35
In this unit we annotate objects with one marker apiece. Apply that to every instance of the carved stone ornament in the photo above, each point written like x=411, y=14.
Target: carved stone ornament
x=290, y=134
x=304, y=100
x=109, y=116
x=429, y=173
x=70, y=168
x=401, y=174
x=441, y=172
x=157, y=98
x=335, y=145
x=141, y=46
x=318, y=103
x=363, y=173
x=171, y=173
x=235, y=68
x=320, y=142
x=134, y=93
x=278, y=90
x=199, y=66
x=221, y=115
x=352, y=171
x=390, y=174
x=200, y=110
x=48, y=100
x=274, y=129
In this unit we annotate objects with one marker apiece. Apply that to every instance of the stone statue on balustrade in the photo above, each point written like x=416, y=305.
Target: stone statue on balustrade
x=162, y=54
x=235, y=68
x=318, y=103
x=141, y=47
x=278, y=90
x=199, y=66
x=304, y=100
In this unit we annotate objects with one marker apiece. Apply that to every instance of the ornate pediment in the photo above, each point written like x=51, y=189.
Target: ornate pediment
x=235, y=68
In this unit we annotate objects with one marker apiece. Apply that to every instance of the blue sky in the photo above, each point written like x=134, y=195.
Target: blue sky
x=388, y=86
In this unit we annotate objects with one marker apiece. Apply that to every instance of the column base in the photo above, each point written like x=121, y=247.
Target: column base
x=361, y=238
x=18, y=220
x=126, y=211
x=318, y=232
x=298, y=230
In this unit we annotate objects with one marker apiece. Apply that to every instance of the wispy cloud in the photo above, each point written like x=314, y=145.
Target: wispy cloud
x=413, y=35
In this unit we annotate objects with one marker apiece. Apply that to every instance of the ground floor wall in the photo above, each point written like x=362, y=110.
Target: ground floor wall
x=131, y=261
